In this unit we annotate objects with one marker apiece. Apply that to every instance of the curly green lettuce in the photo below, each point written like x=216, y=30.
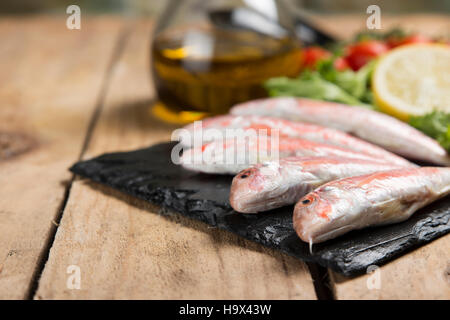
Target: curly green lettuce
x=326, y=83
x=435, y=124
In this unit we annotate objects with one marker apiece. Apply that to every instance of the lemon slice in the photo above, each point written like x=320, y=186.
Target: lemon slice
x=413, y=80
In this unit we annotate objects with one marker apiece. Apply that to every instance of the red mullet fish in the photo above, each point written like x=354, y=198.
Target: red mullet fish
x=375, y=127
x=227, y=124
x=234, y=155
x=374, y=199
x=271, y=185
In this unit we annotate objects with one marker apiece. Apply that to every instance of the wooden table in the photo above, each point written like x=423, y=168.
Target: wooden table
x=73, y=94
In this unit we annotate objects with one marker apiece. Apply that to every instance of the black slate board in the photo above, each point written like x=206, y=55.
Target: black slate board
x=149, y=174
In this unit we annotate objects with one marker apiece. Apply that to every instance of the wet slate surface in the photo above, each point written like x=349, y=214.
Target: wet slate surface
x=149, y=174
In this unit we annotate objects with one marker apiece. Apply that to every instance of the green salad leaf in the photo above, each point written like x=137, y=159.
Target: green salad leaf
x=354, y=83
x=435, y=124
x=327, y=83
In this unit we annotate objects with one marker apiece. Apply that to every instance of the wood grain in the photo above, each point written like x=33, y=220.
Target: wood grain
x=48, y=91
x=421, y=274
x=125, y=250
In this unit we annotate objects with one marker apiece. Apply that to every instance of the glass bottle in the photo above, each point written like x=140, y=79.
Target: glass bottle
x=209, y=55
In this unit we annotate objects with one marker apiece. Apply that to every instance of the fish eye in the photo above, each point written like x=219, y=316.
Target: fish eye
x=245, y=174
x=307, y=200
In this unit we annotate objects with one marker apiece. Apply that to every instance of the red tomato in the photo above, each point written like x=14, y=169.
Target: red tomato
x=361, y=53
x=393, y=42
x=312, y=55
x=341, y=63
x=415, y=38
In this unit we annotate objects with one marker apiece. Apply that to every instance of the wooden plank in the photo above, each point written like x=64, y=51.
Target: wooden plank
x=125, y=250
x=49, y=82
x=425, y=272
x=421, y=274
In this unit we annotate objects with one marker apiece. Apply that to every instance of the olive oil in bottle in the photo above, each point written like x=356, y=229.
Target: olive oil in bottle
x=210, y=70
x=209, y=55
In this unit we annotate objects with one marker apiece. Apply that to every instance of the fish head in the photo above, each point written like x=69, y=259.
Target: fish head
x=323, y=214
x=255, y=188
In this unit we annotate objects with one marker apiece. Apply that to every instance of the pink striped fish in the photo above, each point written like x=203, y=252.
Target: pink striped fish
x=375, y=127
x=374, y=199
x=234, y=155
x=286, y=128
x=271, y=185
